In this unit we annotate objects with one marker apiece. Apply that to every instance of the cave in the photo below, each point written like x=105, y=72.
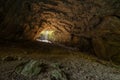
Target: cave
x=46, y=36
x=59, y=40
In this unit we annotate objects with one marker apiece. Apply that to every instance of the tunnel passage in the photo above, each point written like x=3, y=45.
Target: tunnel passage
x=83, y=23
x=52, y=35
x=46, y=36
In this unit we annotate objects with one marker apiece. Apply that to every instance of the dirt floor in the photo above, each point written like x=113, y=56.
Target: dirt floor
x=42, y=61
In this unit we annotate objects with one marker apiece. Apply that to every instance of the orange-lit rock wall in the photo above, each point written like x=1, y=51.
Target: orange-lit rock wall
x=90, y=25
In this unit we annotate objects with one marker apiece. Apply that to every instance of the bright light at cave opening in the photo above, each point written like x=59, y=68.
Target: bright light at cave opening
x=46, y=36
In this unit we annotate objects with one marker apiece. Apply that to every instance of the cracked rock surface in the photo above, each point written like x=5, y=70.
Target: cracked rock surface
x=65, y=69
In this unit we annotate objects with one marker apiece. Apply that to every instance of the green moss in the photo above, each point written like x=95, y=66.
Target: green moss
x=57, y=75
x=30, y=69
x=55, y=65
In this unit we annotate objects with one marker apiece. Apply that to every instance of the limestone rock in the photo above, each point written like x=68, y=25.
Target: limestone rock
x=107, y=43
x=9, y=58
x=29, y=69
x=35, y=68
x=96, y=23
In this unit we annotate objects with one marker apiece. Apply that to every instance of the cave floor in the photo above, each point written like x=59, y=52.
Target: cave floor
x=74, y=65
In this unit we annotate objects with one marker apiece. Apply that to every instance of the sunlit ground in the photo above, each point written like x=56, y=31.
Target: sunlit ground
x=46, y=41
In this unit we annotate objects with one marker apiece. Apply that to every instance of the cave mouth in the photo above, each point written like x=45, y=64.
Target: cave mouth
x=47, y=36
x=51, y=34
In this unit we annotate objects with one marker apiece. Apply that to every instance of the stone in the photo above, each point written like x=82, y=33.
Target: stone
x=36, y=68
x=57, y=75
x=107, y=42
x=29, y=69
x=9, y=58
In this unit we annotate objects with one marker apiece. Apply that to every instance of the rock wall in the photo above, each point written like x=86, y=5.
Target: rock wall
x=90, y=25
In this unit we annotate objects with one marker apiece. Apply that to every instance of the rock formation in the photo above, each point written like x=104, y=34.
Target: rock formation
x=91, y=25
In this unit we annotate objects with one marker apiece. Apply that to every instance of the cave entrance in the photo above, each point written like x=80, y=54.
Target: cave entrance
x=46, y=36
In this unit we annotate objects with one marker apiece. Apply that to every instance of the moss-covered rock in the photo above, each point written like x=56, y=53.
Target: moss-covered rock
x=36, y=68
x=58, y=75
x=31, y=68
